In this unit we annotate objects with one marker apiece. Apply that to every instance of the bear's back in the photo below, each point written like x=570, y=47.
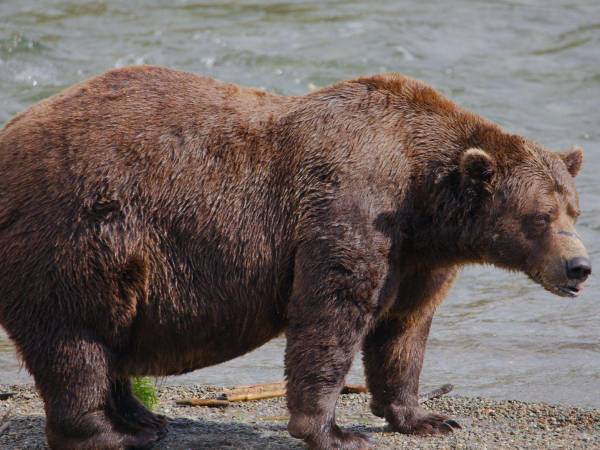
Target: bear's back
x=151, y=133
x=126, y=113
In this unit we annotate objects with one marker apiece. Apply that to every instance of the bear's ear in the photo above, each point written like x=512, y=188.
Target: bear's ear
x=477, y=166
x=573, y=160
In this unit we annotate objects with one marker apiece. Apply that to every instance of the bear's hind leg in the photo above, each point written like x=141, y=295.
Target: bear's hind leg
x=131, y=413
x=72, y=374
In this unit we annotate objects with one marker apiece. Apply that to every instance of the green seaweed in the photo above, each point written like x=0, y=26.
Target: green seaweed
x=145, y=391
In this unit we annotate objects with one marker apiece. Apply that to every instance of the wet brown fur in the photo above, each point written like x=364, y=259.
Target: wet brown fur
x=153, y=222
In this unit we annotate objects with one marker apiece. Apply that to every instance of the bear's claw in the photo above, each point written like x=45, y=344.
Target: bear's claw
x=415, y=420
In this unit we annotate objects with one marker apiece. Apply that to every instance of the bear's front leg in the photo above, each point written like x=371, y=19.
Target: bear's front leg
x=393, y=356
x=331, y=309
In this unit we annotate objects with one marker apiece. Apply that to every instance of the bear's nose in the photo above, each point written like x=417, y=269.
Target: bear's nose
x=579, y=268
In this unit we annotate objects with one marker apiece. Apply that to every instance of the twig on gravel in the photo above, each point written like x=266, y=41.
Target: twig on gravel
x=251, y=389
x=354, y=389
x=443, y=390
x=251, y=396
x=272, y=390
x=5, y=422
x=6, y=395
x=209, y=402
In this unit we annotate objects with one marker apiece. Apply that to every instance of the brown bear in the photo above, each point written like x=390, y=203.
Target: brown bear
x=143, y=209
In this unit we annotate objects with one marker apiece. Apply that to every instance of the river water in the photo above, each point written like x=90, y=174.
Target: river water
x=532, y=66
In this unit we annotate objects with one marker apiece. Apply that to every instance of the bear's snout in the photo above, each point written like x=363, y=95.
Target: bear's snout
x=579, y=268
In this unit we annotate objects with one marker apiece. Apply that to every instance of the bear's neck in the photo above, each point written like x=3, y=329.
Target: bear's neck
x=406, y=152
x=444, y=216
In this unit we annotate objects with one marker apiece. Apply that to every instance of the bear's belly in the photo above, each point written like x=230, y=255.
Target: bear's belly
x=211, y=298
x=185, y=342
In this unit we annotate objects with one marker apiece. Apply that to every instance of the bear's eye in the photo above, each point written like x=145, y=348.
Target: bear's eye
x=542, y=220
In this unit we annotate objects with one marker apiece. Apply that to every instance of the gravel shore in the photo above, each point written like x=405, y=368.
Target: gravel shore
x=487, y=424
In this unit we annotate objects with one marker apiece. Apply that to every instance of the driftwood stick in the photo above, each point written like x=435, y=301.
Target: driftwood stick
x=250, y=396
x=272, y=390
x=209, y=402
x=435, y=393
x=253, y=388
x=354, y=389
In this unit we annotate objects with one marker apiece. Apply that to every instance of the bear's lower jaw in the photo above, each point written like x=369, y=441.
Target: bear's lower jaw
x=568, y=290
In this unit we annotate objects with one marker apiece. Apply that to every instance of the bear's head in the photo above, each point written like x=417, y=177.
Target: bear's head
x=531, y=207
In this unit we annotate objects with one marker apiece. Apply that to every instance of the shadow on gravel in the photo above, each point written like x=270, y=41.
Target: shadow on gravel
x=184, y=433
x=204, y=434
x=24, y=433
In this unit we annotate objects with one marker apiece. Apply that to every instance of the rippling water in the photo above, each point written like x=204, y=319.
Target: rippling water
x=532, y=66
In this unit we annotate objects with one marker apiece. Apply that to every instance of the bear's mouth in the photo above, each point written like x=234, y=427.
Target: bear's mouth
x=564, y=290
x=570, y=291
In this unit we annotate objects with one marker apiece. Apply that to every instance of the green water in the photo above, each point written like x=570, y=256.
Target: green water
x=532, y=66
